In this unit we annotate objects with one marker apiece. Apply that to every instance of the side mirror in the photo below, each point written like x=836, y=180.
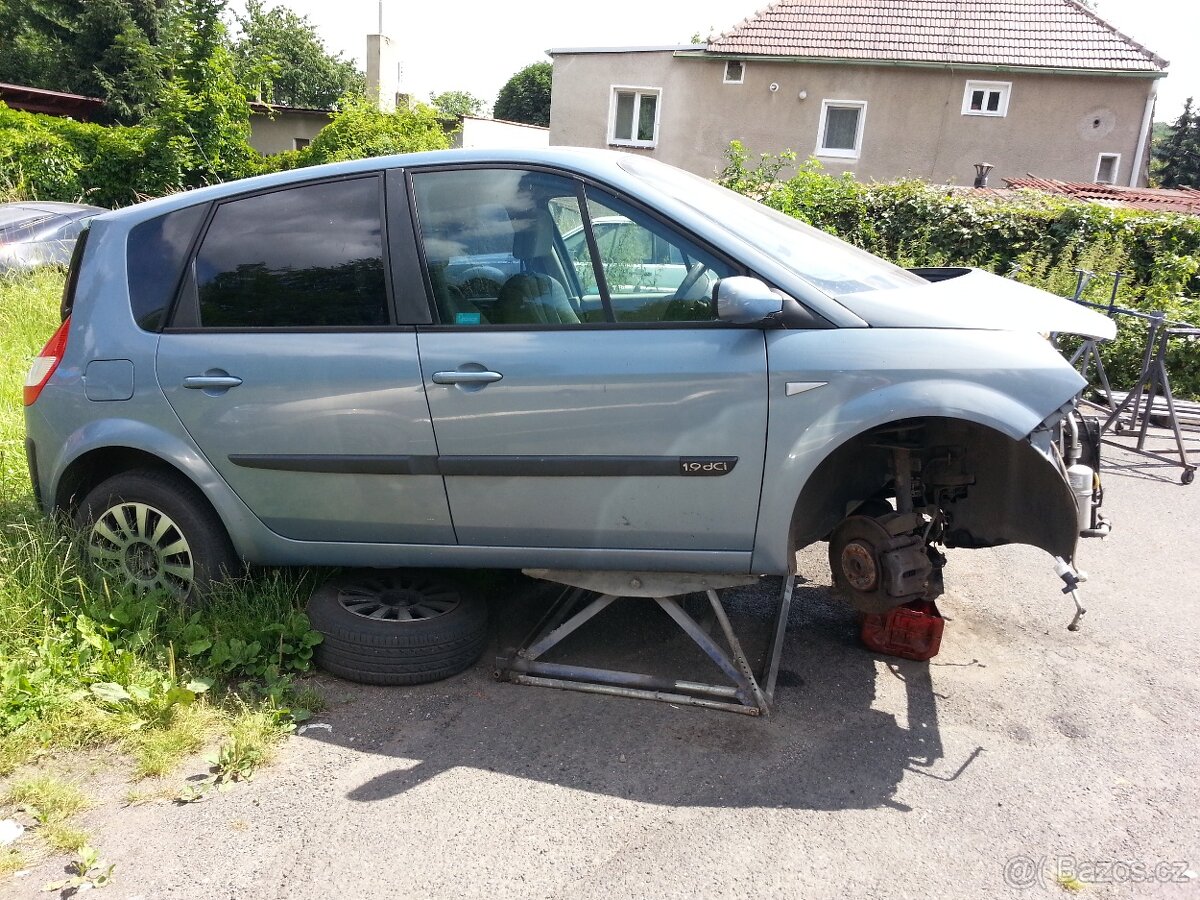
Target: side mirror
x=746, y=301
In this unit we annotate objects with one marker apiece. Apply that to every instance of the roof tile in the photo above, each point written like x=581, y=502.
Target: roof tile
x=1044, y=33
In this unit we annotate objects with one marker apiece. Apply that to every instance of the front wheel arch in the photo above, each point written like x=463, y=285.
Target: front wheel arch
x=1018, y=495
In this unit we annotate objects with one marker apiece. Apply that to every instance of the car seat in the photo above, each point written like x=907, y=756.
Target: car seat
x=529, y=299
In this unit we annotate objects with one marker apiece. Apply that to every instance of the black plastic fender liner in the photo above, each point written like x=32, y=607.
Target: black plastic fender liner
x=1018, y=493
x=1020, y=496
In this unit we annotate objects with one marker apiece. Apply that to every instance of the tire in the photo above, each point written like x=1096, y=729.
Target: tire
x=153, y=531
x=397, y=626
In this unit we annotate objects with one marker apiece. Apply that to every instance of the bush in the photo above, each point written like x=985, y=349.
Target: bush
x=49, y=158
x=359, y=130
x=1040, y=238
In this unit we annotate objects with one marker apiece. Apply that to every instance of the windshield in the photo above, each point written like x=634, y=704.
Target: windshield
x=828, y=263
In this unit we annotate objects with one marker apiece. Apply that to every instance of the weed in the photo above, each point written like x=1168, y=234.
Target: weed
x=11, y=860
x=90, y=872
x=83, y=665
x=49, y=800
x=63, y=838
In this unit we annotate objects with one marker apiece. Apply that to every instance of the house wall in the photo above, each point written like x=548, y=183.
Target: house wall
x=275, y=135
x=492, y=133
x=1056, y=127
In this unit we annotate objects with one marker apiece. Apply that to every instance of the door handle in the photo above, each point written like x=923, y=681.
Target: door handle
x=466, y=377
x=211, y=382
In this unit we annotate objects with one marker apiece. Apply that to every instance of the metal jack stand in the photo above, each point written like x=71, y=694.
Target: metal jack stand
x=1088, y=353
x=592, y=592
x=1153, y=382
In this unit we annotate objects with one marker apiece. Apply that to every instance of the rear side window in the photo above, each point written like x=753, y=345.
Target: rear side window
x=156, y=253
x=72, y=282
x=309, y=256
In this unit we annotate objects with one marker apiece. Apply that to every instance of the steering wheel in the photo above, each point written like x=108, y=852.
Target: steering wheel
x=695, y=270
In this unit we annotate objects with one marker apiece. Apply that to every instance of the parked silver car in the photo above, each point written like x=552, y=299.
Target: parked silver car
x=37, y=233
x=298, y=369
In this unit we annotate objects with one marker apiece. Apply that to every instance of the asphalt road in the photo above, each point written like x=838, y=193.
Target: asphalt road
x=1022, y=750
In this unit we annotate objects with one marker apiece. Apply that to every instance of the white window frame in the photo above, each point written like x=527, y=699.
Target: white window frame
x=1004, y=88
x=1116, y=167
x=742, y=79
x=641, y=91
x=836, y=153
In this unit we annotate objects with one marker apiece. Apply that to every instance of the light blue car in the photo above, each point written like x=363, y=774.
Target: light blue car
x=401, y=362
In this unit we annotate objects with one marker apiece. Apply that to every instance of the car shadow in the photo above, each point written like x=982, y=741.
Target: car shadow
x=825, y=747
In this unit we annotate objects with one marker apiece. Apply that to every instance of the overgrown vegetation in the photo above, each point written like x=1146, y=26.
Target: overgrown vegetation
x=1176, y=161
x=83, y=666
x=48, y=158
x=1040, y=239
x=525, y=97
x=182, y=84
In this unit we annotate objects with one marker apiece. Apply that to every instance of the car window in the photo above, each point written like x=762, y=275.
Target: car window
x=309, y=256
x=156, y=252
x=492, y=243
x=653, y=273
x=828, y=263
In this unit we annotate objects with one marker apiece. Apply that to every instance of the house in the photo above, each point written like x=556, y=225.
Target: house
x=276, y=129
x=881, y=88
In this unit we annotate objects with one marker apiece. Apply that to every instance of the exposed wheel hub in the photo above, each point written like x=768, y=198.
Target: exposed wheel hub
x=858, y=566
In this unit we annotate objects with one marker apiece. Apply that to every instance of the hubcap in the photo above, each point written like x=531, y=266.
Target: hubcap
x=858, y=565
x=142, y=549
x=395, y=599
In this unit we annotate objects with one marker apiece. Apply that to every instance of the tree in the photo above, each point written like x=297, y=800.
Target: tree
x=102, y=48
x=526, y=96
x=202, y=123
x=280, y=58
x=1177, y=157
x=456, y=104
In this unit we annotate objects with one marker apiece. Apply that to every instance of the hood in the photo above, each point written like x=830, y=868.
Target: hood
x=978, y=300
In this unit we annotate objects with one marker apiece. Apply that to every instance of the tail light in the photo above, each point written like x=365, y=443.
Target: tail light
x=46, y=362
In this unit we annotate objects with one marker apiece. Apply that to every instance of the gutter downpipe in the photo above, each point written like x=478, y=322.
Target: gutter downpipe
x=1144, y=135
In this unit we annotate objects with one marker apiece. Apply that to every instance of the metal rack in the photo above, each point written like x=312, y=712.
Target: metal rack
x=1137, y=409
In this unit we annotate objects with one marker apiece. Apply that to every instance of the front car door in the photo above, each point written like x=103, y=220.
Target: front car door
x=580, y=401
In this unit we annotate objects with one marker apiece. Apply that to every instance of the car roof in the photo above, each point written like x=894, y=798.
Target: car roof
x=601, y=164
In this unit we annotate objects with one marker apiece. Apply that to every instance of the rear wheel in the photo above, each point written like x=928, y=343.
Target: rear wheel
x=152, y=532
x=398, y=626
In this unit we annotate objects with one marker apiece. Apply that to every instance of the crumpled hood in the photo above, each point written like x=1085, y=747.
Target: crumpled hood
x=978, y=300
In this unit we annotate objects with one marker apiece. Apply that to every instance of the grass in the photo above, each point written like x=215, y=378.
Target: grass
x=53, y=803
x=83, y=666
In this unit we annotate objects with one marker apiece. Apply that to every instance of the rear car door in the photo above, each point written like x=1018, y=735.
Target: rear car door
x=285, y=364
x=567, y=414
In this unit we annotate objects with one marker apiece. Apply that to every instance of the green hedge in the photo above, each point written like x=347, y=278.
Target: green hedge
x=49, y=158
x=1042, y=237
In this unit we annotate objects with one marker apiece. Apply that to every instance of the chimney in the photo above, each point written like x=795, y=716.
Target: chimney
x=981, y=174
x=382, y=71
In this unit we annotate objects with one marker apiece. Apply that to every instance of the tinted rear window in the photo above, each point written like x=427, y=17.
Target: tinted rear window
x=309, y=256
x=68, y=295
x=157, y=251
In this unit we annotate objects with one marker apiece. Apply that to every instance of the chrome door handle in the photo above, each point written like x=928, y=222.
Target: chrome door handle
x=467, y=377
x=209, y=382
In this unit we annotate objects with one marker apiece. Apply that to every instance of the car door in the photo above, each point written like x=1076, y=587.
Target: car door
x=285, y=366
x=558, y=423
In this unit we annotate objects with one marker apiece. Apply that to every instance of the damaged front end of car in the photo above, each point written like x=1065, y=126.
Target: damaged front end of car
x=953, y=482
